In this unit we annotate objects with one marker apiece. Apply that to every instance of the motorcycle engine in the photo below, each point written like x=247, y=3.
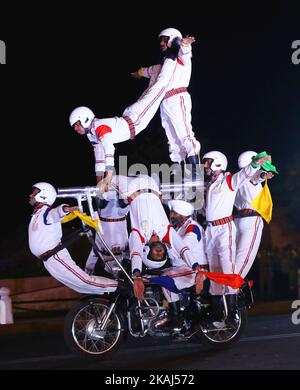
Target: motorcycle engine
x=156, y=312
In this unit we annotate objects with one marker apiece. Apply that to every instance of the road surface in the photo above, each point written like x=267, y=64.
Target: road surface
x=269, y=343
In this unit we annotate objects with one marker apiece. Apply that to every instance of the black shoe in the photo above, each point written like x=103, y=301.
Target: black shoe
x=232, y=320
x=177, y=324
x=245, y=296
x=170, y=323
x=232, y=306
x=216, y=311
x=176, y=316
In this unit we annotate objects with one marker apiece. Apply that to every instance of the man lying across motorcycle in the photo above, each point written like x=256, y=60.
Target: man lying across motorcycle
x=182, y=275
x=150, y=228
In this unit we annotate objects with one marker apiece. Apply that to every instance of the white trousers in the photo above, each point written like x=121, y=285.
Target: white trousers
x=248, y=237
x=64, y=269
x=176, y=118
x=183, y=277
x=115, y=235
x=221, y=253
x=144, y=109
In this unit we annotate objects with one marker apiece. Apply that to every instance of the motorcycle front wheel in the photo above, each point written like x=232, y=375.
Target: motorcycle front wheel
x=82, y=328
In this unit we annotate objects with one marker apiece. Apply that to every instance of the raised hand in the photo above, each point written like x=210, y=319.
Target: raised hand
x=262, y=160
x=188, y=40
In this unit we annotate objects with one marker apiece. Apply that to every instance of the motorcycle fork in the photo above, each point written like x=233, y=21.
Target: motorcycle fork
x=225, y=306
x=143, y=332
x=103, y=321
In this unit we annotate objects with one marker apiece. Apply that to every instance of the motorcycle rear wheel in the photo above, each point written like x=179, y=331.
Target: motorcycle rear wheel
x=223, y=336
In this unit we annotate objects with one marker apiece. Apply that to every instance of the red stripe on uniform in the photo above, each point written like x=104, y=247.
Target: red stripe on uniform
x=166, y=239
x=230, y=246
x=228, y=181
x=149, y=105
x=251, y=246
x=189, y=229
x=81, y=277
x=102, y=130
x=141, y=237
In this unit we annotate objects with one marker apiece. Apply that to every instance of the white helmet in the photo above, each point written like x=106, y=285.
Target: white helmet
x=149, y=263
x=82, y=114
x=219, y=160
x=153, y=264
x=246, y=158
x=47, y=193
x=172, y=33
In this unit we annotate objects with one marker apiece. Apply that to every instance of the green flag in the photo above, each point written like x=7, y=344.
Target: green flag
x=266, y=166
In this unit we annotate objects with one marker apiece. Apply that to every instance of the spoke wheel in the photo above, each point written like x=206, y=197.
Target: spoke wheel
x=83, y=333
x=221, y=334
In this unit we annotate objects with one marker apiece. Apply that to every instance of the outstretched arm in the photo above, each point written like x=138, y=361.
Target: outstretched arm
x=185, y=50
x=245, y=174
x=58, y=213
x=147, y=72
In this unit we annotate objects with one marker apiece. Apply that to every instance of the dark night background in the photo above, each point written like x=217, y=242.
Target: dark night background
x=245, y=92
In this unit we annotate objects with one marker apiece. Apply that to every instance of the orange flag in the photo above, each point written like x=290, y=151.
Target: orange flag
x=231, y=280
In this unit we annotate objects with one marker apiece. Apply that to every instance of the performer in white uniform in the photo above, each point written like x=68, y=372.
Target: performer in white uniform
x=220, y=233
x=249, y=224
x=192, y=235
x=113, y=220
x=175, y=108
x=150, y=226
x=104, y=133
x=45, y=235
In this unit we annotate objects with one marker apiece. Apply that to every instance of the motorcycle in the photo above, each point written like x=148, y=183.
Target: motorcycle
x=97, y=325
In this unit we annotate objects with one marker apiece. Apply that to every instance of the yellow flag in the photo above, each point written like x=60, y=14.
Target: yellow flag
x=94, y=223
x=263, y=203
x=69, y=217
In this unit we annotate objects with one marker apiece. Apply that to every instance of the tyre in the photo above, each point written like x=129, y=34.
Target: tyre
x=220, y=335
x=82, y=329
